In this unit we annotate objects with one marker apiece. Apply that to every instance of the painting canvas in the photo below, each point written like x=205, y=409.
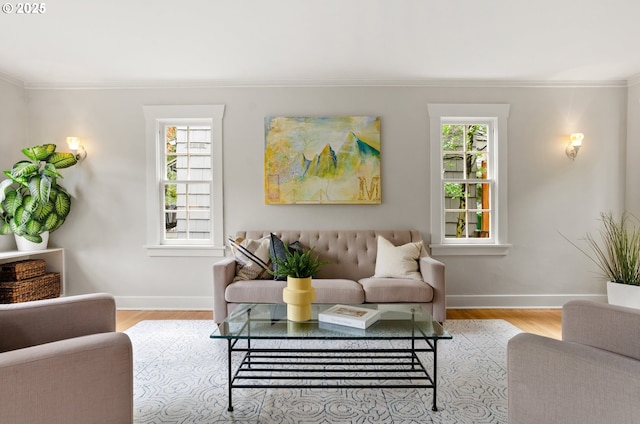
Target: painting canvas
x=322, y=160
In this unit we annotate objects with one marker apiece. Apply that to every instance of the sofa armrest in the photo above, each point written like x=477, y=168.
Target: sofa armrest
x=604, y=326
x=223, y=273
x=43, y=321
x=551, y=381
x=432, y=272
x=82, y=380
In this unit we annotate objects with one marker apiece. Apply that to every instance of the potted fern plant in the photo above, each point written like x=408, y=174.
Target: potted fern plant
x=32, y=203
x=298, y=266
x=617, y=254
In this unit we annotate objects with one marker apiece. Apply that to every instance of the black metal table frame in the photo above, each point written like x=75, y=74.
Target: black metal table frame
x=386, y=364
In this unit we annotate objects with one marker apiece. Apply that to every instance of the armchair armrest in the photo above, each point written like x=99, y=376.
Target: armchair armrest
x=43, y=321
x=551, y=381
x=86, y=379
x=223, y=273
x=604, y=326
x=432, y=272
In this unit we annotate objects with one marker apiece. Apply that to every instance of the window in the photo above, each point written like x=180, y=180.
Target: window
x=184, y=180
x=187, y=183
x=468, y=179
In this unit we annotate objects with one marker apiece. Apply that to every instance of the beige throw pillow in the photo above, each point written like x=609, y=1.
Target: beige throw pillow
x=398, y=261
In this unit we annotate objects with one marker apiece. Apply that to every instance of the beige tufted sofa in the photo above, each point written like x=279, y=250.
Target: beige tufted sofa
x=347, y=279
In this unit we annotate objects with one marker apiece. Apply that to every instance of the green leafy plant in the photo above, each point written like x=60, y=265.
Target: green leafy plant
x=297, y=264
x=453, y=190
x=31, y=201
x=617, y=254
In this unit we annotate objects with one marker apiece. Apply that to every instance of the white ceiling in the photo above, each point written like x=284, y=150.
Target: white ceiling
x=147, y=42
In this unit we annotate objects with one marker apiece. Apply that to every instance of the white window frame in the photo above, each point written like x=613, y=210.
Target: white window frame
x=496, y=115
x=156, y=118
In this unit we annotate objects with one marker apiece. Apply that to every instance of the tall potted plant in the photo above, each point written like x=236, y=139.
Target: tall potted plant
x=298, y=267
x=617, y=254
x=32, y=203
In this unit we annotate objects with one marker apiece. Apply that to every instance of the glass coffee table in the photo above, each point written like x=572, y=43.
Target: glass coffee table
x=265, y=350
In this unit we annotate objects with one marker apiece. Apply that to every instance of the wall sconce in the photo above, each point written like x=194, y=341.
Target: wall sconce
x=574, y=144
x=76, y=148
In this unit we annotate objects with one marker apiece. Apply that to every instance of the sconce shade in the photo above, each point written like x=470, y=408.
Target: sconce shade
x=73, y=143
x=76, y=148
x=575, y=142
x=576, y=139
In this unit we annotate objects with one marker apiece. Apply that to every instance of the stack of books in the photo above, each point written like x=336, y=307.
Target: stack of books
x=351, y=316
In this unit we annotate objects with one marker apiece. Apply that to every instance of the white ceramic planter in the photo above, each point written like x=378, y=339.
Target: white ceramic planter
x=25, y=245
x=623, y=295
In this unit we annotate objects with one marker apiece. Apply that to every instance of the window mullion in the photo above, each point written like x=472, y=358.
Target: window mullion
x=186, y=205
x=188, y=157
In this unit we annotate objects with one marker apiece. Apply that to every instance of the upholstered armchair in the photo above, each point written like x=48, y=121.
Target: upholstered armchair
x=592, y=376
x=61, y=361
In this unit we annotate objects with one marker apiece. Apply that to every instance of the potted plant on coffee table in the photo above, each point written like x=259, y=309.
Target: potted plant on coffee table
x=617, y=254
x=32, y=203
x=298, y=266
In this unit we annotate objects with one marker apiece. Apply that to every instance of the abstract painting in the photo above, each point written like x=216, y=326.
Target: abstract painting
x=333, y=160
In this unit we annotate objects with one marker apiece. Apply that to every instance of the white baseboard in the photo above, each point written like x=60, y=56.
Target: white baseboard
x=177, y=303
x=517, y=301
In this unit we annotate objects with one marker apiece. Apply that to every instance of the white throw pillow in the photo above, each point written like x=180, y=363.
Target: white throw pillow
x=398, y=261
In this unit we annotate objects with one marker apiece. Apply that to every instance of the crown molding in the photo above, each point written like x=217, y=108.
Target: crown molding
x=116, y=85
x=634, y=80
x=12, y=80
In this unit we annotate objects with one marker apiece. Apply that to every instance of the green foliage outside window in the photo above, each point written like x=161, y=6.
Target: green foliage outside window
x=453, y=190
x=170, y=195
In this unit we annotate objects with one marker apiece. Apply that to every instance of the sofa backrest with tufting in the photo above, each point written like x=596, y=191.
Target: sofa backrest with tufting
x=351, y=253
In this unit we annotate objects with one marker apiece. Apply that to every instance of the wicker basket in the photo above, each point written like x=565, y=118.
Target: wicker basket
x=22, y=270
x=46, y=286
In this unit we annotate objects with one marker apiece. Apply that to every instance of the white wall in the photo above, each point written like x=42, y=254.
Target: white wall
x=13, y=126
x=633, y=149
x=547, y=192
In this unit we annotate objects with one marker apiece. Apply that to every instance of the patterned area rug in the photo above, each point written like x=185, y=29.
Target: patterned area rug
x=180, y=376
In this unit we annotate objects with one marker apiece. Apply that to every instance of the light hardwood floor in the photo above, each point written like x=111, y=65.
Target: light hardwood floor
x=545, y=322
x=128, y=318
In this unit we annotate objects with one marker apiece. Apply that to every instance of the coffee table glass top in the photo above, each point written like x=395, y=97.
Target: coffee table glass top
x=269, y=321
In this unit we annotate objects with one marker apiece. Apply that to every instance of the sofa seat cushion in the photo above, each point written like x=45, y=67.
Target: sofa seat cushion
x=336, y=290
x=255, y=291
x=396, y=290
x=270, y=291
